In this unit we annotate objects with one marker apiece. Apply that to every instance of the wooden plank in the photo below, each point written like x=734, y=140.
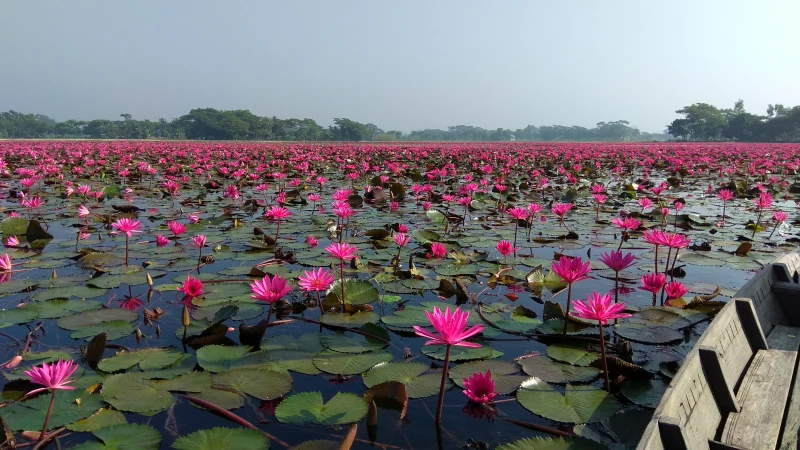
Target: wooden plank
x=762, y=395
x=717, y=381
x=792, y=421
x=784, y=337
x=750, y=325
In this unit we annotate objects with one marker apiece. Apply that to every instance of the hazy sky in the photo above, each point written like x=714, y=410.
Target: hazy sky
x=402, y=65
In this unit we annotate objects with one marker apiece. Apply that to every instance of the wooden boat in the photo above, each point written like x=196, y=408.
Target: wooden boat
x=738, y=387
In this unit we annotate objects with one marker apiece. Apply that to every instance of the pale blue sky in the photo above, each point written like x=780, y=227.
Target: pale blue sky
x=401, y=65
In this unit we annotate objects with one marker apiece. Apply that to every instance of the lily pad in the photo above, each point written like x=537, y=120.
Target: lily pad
x=29, y=415
x=130, y=392
x=349, y=363
x=219, y=438
x=645, y=392
x=554, y=372
x=569, y=355
x=356, y=292
x=147, y=359
x=410, y=374
x=346, y=344
x=124, y=437
x=259, y=383
x=309, y=408
x=579, y=404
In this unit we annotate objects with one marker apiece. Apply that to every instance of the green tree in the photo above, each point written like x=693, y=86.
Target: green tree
x=704, y=122
x=348, y=130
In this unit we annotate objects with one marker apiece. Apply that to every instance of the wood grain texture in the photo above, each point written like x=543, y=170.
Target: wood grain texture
x=762, y=395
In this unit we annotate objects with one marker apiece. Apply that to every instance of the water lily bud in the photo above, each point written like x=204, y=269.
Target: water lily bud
x=158, y=331
x=14, y=362
x=139, y=336
x=149, y=279
x=185, y=319
x=54, y=274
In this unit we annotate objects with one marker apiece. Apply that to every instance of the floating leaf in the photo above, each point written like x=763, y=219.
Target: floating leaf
x=219, y=358
x=101, y=419
x=124, y=437
x=505, y=382
x=259, y=383
x=10, y=317
x=457, y=353
x=29, y=415
x=348, y=363
x=579, y=404
x=644, y=392
x=130, y=392
x=309, y=408
x=220, y=438
x=147, y=359
x=540, y=443
x=341, y=343
x=96, y=317
x=554, y=372
x=410, y=374
x=574, y=356
x=356, y=292
x=637, y=332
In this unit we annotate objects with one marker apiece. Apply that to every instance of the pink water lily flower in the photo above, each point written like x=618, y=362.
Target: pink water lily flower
x=83, y=211
x=438, y=250
x=176, y=228
x=270, y=290
x=5, y=263
x=480, y=387
x=53, y=376
x=451, y=328
x=401, y=239
x=600, y=308
x=198, y=241
x=653, y=282
x=617, y=261
x=126, y=226
x=675, y=289
x=315, y=280
x=343, y=251
x=571, y=270
x=192, y=287
x=161, y=241
x=12, y=241
x=505, y=248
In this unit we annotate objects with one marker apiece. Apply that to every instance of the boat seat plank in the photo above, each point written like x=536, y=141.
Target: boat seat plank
x=792, y=422
x=762, y=395
x=784, y=337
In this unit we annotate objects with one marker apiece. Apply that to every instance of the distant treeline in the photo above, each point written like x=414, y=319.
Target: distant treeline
x=704, y=122
x=213, y=124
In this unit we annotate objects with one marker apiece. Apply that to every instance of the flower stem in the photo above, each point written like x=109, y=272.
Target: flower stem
x=603, y=353
x=47, y=416
x=319, y=302
x=269, y=314
x=126, y=249
x=442, y=385
x=277, y=231
x=773, y=230
x=341, y=271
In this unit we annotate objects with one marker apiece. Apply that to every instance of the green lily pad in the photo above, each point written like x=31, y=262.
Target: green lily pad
x=309, y=408
x=147, y=359
x=219, y=438
x=456, y=353
x=29, y=415
x=347, y=320
x=223, y=399
x=553, y=372
x=540, y=443
x=569, y=355
x=341, y=343
x=124, y=437
x=96, y=317
x=643, y=334
x=10, y=317
x=579, y=404
x=410, y=374
x=219, y=358
x=356, y=292
x=114, y=329
x=349, y=363
x=132, y=393
x=645, y=392
x=55, y=309
x=261, y=384
x=101, y=419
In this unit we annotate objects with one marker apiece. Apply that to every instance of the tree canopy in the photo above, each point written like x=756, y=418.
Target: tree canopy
x=704, y=122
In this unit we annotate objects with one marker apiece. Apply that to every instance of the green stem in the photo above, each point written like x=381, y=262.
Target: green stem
x=442, y=386
x=47, y=416
x=341, y=271
x=603, y=352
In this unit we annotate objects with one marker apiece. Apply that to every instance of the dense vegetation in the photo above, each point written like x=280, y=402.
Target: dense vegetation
x=702, y=122
x=213, y=124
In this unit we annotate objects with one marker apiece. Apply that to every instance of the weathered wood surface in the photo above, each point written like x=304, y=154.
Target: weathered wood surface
x=762, y=395
x=689, y=411
x=792, y=420
x=784, y=337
